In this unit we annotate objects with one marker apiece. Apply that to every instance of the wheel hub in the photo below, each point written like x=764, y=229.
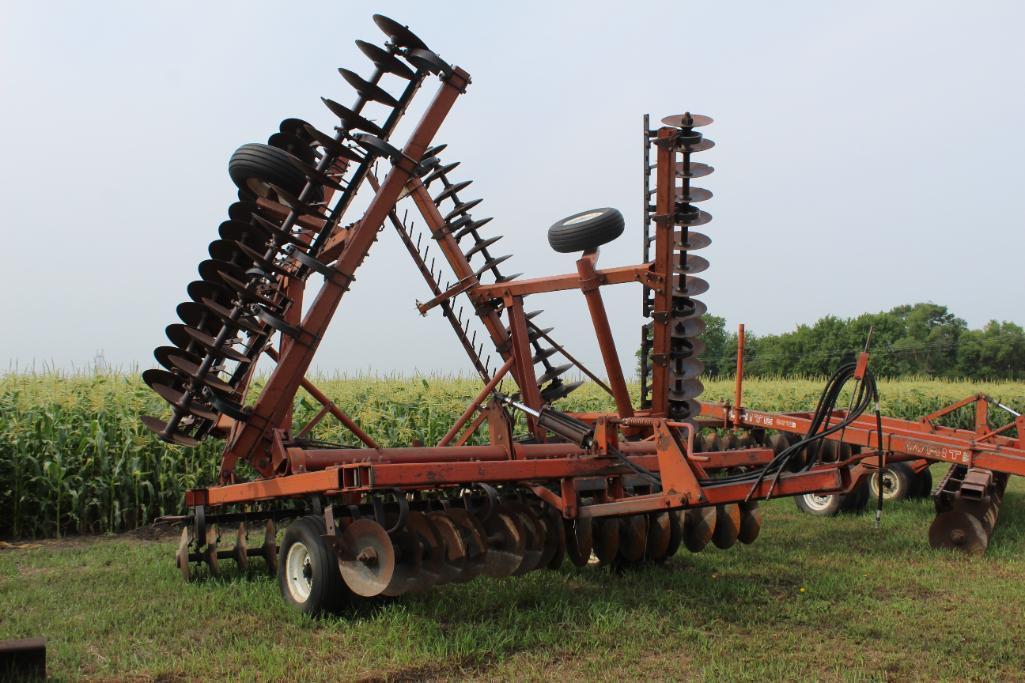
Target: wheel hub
x=299, y=570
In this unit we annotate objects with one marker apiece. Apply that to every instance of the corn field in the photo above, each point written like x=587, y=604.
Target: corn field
x=75, y=459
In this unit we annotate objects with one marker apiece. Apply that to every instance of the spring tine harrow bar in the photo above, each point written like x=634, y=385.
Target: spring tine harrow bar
x=459, y=224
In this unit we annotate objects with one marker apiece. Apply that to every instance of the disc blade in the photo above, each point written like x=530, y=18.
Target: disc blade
x=350, y=118
x=366, y=89
x=211, y=269
x=408, y=559
x=958, y=530
x=175, y=396
x=727, y=525
x=209, y=344
x=554, y=539
x=180, y=361
x=163, y=354
x=505, y=544
x=473, y=539
x=699, y=523
x=693, y=195
x=659, y=535
x=399, y=34
x=249, y=233
x=432, y=566
x=157, y=426
x=606, y=540
x=368, y=561
x=579, y=540
x=384, y=60
x=454, y=551
x=750, y=522
x=692, y=169
x=633, y=539
x=204, y=289
x=687, y=120
x=691, y=286
x=676, y=532
x=694, y=241
x=533, y=535
x=692, y=266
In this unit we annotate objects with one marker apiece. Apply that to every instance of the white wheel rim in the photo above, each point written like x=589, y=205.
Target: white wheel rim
x=585, y=217
x=817, y=502
x=889, y=484
x=299, y=572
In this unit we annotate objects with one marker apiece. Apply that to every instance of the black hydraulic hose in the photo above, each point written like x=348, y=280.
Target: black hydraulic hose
x=816, y=434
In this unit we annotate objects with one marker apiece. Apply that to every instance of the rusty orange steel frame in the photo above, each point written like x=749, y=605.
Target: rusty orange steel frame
x=922, y=441
x=555, y=470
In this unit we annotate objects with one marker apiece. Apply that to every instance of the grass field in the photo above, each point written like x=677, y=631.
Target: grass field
x=811, y=599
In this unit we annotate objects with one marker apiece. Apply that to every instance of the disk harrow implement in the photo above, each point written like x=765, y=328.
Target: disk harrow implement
x=515, y=485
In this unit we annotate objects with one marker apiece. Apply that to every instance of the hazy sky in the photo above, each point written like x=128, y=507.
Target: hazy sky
x=868, y=154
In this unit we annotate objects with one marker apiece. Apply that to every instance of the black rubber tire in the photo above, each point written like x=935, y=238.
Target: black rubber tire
x=254, y=165
x=857, y=500
x=833, y=504
x=820, y=506
x=923, y=484
x=327, y=591
x=903, y=483
x=586, y=230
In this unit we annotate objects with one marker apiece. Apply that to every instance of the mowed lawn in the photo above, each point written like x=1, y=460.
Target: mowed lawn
x=812, y=598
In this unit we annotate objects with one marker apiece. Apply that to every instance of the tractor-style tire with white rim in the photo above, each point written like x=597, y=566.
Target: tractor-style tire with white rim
x=832, y=504
x=898, y=481
x=308, y=573
x=586, y=230
x=820, y=504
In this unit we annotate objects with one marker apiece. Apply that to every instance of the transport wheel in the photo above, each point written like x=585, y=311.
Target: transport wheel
x=307, y=569
x=831, y=504
x=921, y=485
x=254, y=167
x=819, y=504
x=586, y=230
x=897, y=482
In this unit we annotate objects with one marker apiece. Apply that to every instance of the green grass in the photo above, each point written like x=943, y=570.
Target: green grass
x=811, y=599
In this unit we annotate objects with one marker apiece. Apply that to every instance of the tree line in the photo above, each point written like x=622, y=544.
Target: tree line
x=919, y=339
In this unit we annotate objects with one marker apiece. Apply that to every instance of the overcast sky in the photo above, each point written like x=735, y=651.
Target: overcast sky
x=868, y=154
